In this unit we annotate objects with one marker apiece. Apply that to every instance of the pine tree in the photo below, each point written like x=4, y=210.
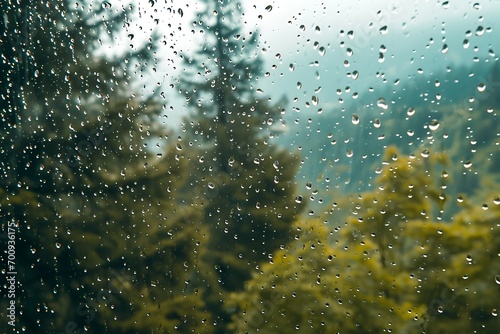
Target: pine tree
x=101, y=243
x=243, y=180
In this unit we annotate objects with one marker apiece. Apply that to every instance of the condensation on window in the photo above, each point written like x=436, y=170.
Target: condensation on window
x=224, y=166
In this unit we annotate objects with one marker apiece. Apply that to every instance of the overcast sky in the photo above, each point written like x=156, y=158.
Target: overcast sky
x=326, y=41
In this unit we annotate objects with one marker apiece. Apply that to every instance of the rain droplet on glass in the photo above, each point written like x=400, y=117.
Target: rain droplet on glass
x=434, y=125
x=381, y=103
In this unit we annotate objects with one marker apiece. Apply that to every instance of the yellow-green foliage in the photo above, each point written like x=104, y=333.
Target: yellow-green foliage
x=393, y=266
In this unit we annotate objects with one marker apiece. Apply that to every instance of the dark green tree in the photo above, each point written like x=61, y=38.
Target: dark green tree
x=101, y=244
x=245, y=182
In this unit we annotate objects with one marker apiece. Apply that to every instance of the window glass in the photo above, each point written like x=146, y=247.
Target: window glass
x=224, y=166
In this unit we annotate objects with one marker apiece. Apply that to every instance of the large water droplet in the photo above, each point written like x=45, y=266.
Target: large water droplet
x=384, y=30
x=106, y=5
x=434, y=125
x=276, y=165
x=376, y=123
x=381, y=103
x=315, y=100
x=410, y=111
x=355, y=119
x=381, y=57
x=481, y=87
x=269, y=8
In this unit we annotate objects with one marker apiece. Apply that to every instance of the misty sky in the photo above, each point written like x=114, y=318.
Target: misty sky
x=327, y=41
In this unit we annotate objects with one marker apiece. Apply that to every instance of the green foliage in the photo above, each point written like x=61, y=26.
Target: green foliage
x=393, y=266
x=103, y=245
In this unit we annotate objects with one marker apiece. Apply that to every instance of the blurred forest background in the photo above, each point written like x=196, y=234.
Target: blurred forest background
x=358, y=222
